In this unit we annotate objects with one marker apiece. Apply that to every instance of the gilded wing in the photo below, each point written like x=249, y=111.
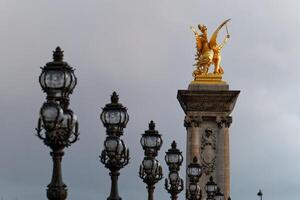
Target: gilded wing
x=213, y=39
x=198, y=39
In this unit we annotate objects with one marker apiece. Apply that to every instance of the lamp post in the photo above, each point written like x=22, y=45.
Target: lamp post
x=115, y=155
x=211, y=188
x=174, y=158
x=260, y=194
x=194, y=173
x=57, y=124
x=150, y=169
x=219, y=195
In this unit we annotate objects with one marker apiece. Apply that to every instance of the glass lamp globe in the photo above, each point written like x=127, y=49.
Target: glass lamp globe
x=52, y=115
x=149, y=165
x=57, y=78
x=174, y=177
x=114, y=146
x=174, y=157
x=193, y=188
x=211, y=186
x=69, y=120
x=114, y=116
x=151, y=141
x=194, y=170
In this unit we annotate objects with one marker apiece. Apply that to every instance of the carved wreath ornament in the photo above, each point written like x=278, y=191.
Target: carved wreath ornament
x=208, y=151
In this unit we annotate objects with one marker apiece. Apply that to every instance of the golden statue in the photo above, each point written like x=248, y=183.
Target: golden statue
x=208, y=52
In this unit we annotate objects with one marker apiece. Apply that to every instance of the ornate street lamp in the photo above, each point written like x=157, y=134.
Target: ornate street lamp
x=57, y=124
x=211, y=188
x=150, y=169
x=115, y=154
x=174, y=158
x=260, y=194
x=151, y=141
x=57, y=78
x=114, y=116
x=219, y=195
x=194, y=172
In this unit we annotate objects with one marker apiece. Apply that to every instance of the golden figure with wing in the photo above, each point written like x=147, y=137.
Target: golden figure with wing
x=208, y=52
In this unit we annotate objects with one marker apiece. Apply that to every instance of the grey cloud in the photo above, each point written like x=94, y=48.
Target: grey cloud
x=145, y=51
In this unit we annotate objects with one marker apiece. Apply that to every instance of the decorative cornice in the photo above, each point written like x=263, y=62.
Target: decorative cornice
x=224, y=122
x=196, y=120
x=207, y=101
x=192, y=121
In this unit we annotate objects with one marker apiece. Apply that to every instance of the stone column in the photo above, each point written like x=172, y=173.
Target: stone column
x=207, y=108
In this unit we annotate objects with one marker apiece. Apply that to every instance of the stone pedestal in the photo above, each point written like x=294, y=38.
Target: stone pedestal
x=207, y=108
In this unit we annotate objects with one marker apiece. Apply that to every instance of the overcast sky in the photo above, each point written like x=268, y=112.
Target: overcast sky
x=144, y=50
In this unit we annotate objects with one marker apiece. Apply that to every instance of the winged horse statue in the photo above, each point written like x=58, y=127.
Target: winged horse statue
x=208, y=52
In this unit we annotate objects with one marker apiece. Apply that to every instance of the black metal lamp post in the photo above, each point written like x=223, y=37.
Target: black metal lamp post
x=115, y=155
x=194, y=172
x=211, y=189
x=174, y=158
x=150, y=169
x=57, y=125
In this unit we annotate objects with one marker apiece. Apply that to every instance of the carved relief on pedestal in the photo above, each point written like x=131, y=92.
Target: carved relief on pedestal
x=208, y=151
